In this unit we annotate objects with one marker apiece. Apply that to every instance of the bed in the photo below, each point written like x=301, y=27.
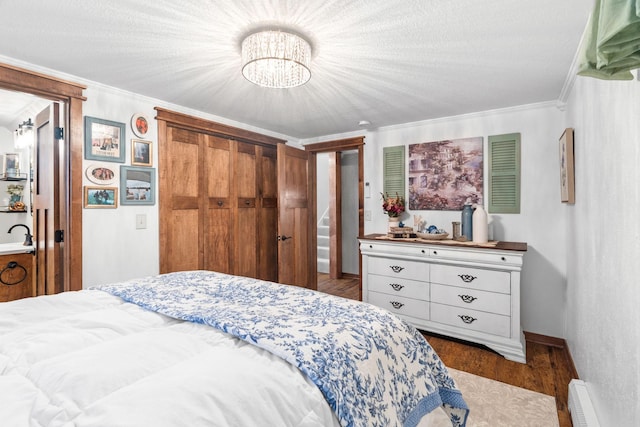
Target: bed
x=202, y=348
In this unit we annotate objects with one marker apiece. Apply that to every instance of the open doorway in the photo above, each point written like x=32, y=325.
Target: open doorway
x=69, y=205
x=337, y=182
x=338, y=205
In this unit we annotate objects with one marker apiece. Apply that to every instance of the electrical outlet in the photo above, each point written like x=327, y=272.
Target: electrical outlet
x=141, y=221
x=367, y=215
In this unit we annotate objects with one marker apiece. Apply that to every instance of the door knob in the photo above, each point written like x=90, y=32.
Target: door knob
x=283, y=238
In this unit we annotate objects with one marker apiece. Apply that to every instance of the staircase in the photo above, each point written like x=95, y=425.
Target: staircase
x=323, y=243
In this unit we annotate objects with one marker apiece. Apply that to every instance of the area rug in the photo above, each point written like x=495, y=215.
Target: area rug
x=496, y=404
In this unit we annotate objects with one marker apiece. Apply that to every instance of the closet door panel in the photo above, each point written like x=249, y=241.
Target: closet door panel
x=268, y=221
x=219, y=221
x=218, y=252
x=182, y=252
x=246, y=228
x=180, y=219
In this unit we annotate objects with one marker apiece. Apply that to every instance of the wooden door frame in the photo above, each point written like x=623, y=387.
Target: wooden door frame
x=71, y=94
x=336, y=146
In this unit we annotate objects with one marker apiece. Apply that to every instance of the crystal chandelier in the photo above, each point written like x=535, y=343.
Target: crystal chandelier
x=276, y=59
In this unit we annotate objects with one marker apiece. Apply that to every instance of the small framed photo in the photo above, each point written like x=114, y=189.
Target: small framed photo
x=10, y=165
x=137, y=185
x=100, y=197
x=104, y=140
x=139, y=125
x=567, y=177
x=101, y=174
x=141, y=152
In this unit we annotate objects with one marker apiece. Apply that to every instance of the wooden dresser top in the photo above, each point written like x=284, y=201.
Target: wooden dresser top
x=501, y=245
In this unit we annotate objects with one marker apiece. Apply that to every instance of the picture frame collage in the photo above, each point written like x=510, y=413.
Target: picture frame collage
x=104, y=144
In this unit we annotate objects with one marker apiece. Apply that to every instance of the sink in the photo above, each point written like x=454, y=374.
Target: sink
x=15, y=248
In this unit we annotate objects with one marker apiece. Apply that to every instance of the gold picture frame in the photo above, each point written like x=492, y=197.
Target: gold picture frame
x=141, y=152
x=100, y=197
x=567, y=173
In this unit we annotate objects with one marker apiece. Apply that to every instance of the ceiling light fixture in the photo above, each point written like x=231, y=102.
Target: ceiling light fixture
x=276, y=59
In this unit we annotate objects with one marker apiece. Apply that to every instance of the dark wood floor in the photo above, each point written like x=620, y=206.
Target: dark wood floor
x=547, y=370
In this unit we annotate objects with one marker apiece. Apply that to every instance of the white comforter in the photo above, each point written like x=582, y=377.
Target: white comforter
x=89, y=359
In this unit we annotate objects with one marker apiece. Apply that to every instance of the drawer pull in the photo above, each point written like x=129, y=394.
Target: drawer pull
x=467, y=319
x=396, y=268
x=396, y=286
x=467, y=278
x=397, y=305
x=467, y=298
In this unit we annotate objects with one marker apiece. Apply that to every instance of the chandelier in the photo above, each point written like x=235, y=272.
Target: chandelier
x=276, y=59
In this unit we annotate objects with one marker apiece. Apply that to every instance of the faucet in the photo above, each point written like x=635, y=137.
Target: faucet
x=27, y=237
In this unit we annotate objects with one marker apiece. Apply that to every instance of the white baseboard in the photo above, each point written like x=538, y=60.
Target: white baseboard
x=582, y=412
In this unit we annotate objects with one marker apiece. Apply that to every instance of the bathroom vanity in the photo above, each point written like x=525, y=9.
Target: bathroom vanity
x=16, y=271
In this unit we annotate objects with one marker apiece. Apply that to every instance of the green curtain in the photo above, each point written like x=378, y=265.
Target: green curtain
x=611, y=48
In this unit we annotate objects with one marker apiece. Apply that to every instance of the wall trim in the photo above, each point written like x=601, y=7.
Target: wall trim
x=560, y=343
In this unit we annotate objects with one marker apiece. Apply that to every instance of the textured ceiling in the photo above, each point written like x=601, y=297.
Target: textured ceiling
x=385, y=61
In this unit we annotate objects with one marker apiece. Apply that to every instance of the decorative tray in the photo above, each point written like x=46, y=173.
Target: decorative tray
x=429, y=236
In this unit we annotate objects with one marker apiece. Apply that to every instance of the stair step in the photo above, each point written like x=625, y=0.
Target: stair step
x=323, y=230
x=323, y=265
x=323, y=241
x=323, y=252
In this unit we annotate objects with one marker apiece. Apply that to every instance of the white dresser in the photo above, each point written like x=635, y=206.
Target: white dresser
x=461, y=291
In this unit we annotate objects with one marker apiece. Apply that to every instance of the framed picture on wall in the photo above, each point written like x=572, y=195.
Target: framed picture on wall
x=100, y=197
x=567, y=179
x=139, y=125
x=141, y=153
x=137, y=185
x=104, y=140
x=11, y=165
x=101, y=174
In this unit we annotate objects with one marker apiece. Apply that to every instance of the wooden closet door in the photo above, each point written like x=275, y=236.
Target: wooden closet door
x=220, y=205
x=267, y=247
x=181, y=181
x=247, y=228
x=255, y=233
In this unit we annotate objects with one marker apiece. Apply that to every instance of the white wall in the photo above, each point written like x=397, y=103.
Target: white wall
x=350, y=220
x=541, y=222
x=113, y=249
x=603, y=246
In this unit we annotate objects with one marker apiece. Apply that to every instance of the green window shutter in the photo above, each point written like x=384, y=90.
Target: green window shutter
x=504, y=173
x=393, y=168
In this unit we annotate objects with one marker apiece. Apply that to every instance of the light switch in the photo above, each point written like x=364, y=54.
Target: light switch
x=367, y=215
x=141, y=221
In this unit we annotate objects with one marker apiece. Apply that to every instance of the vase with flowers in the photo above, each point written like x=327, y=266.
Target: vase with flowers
x=393, y=207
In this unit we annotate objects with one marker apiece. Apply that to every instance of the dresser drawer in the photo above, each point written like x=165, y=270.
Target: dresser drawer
x=480, y=321
x=400, y=305
x=399, y=268
x=398, y=286
x=474, y=278
x=472, y=299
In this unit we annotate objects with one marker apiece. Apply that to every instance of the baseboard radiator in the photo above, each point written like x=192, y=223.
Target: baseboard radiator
x=582, y=412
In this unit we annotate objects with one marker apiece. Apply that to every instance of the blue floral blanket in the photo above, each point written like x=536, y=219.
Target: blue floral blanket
x=373, y=368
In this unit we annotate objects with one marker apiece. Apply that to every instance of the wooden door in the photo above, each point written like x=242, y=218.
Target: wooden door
x=47, y=202
x=180, y=201
x=296, y=257
x=220, y=204
x=267, y=240
x=255, y=232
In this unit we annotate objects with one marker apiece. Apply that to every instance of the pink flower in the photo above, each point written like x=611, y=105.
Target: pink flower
x=392, y=206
